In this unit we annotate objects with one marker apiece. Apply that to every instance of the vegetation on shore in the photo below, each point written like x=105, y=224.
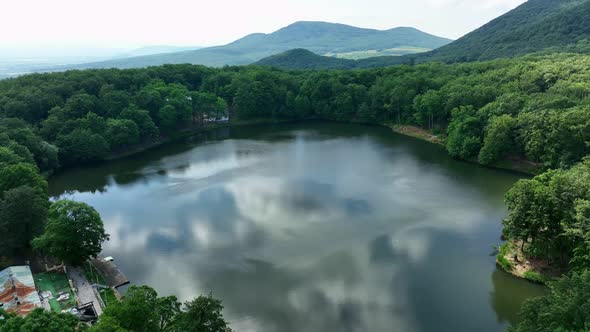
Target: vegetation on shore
x=549, y=217
x=548, y=233
x=515, y=262
x=142, y=310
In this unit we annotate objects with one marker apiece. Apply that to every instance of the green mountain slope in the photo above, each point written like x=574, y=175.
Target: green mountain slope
x=534, y=26
x=318, y=37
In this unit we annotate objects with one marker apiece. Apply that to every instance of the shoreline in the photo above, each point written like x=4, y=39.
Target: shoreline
x=181, y=134
x=416, y=132
x=513, y=165
x=186, y=133
x=512, y=260
x=518, y=165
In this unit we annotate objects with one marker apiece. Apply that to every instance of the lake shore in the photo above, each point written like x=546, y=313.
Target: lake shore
x=184, y=133
x=511, y=163
x=511, y=259
x=416, y=132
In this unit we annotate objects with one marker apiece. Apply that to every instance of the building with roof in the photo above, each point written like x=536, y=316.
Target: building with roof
x=18, y=293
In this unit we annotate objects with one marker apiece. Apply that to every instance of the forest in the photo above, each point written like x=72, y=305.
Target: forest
x=533, y=110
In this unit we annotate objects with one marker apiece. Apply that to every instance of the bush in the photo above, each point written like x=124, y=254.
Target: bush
x=501, y=257
x=534, y=276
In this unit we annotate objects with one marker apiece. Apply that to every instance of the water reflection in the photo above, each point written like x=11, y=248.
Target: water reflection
x=316, y=227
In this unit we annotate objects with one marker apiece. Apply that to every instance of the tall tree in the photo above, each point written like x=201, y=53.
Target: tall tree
x=203, y=314
x=74, y=232
x=23, y=211
x=21, y=174
x=140, y=311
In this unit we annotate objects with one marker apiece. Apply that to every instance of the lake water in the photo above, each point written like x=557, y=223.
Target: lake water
x=311, y=227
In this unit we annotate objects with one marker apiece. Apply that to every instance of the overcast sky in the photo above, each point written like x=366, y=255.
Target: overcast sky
x=132, y=23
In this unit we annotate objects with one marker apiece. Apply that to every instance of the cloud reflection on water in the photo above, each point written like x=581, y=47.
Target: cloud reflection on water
x=312, y=232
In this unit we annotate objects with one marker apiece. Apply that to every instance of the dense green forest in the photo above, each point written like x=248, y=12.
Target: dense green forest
x=533, y=109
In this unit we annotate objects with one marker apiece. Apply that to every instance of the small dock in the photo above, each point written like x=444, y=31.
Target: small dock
x=110, y=272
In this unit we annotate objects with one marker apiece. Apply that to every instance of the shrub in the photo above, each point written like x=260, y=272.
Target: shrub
x=501, y=257
x=534, y=276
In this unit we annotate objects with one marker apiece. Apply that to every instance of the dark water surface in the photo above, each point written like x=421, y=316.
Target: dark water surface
x=311, y=227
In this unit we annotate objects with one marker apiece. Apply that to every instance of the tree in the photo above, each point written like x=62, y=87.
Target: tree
x=140, y=311
x=548, y=215
x=23, y=211
x=580, y=232
x=203, y=314
x=79, y=105
x=74, y=232
x=151, y=100
x=82, y=146
x=96, y=124
x=464, y=139
x=112, y=101
x=529, y=203
x=148, y=131
x=21, y=174
x=44, y=154
x=39, y=320
x=8, y=157
x=565, y=308
x=428, y=107
x=168, y=118
x=121, y=133
x=498, y=139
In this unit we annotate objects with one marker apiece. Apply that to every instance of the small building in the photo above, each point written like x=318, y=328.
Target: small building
x=18, y=293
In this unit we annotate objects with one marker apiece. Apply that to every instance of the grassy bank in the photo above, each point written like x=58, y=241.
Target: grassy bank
x=416, y=132
x=512, y=260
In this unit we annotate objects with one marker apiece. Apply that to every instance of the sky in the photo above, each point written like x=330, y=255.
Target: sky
x=134, y=23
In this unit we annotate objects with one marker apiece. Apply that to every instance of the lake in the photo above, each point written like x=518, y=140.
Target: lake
x=311, y=227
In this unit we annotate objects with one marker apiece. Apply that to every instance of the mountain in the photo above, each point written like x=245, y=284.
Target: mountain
x=318, y=37
x=305, y=59
x=533, y=26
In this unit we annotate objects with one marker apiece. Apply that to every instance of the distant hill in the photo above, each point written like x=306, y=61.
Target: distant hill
x=318, y=37
x=157, y=49
x=305, y=59
x=536, y=25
